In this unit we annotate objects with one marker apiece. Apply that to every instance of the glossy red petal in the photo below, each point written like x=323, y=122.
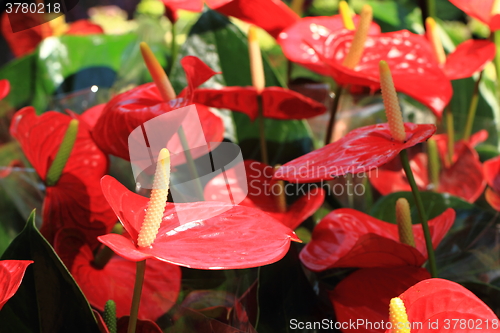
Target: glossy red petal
x=366, y=293
x=279, y=103
x=91, y=116
x=4, y=88
x=491, y=169
x=299, y=41
x=116, y=280
x=241, y=99
x=11, y=276
x=76, y=200
x=467, y=166
x=360, y=150
x=235, y=237
x=386, y=180
x=493, y=198
x=271, y=15
x=413, y=66
x=442, y=300
x=348, y=238
x=197, y=72
x=84, y=27
x=479, y=9
x=263, y=192
x=24, y=41
x=469, y=57
x=143, y=326
x=191, y=5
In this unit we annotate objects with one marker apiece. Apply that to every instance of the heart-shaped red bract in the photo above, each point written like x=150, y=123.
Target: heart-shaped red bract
x=492, y=176
x=277, y=103
x=349, y=238
x=115, y=280
x=76, y=200
x=366, y=293
x=4, y=88
x=270, y=15
x=11, y=276
x=414, y=68
x=466, y=166
x=450, y=305
x=299, y=41
x=361, y=150
x=240, y=237
x=126, y=111
x=469, y=57
x=263, y=194
x=481, y=10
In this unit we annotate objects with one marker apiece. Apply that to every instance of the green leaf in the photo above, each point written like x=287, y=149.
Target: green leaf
x=48, y=299
x=21, y=75
x=222, y=46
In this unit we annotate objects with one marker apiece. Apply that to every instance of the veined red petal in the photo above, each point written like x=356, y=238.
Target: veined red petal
x=349, y=238
x=469, y=57
x=11, y=276
x=481, y=10
x=360, y=150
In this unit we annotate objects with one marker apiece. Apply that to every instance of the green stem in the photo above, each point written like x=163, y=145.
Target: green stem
x=472, y=109
x=190, y=163
x=62, y=156
x=333, y=114
x=136, y=299
x=450, y=129
x=262, y=133
x=431, y=8
x=496, y=39
x=257, y=316
x=432, y=155
x=174, y=49
x=421, y=212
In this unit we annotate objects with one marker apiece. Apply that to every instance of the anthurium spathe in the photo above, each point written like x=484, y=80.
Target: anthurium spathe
x=447, y=307
x=492, y=175
x=265, y=194
x=361, y=150
x=115, y=280
x=75, y=199
x=466, y=165
x=241, y=237
x=11, y=276
x=486, y=11
x=349, y=238
x=413, y=65
x=4, y=88
x=128, y=110
x=299, y=41
x=277, y=102
x=365, y=294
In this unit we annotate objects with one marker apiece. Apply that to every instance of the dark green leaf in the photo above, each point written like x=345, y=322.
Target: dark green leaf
x=48, y=299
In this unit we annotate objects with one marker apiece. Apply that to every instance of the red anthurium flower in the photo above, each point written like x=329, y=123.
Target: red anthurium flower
x=4, y=88
x=349, y=238
x=414, y=68
x=360, y=150
x=172, y=6
x=277, y=103
x=263, y=193
x=466, y=165
x=447, y=307
x=11, y=276
x=482, y=10
x=270, y=15
x=128, y=110
x=492, y=176
x=366, y=293
x=297, y=40
x=115, y=280
x=241, y=237
x=76, y=200
x=468, y=58
x=25, y=41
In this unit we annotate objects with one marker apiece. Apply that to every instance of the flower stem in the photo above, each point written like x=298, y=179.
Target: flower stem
x=136, y=300
x=432, y=156
x=450, y=129
x=496, y=39
x=333, y=114
x=262, y=133
x=472, y=109
x=421, y=212
x=190, y=163
x=431, y=8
